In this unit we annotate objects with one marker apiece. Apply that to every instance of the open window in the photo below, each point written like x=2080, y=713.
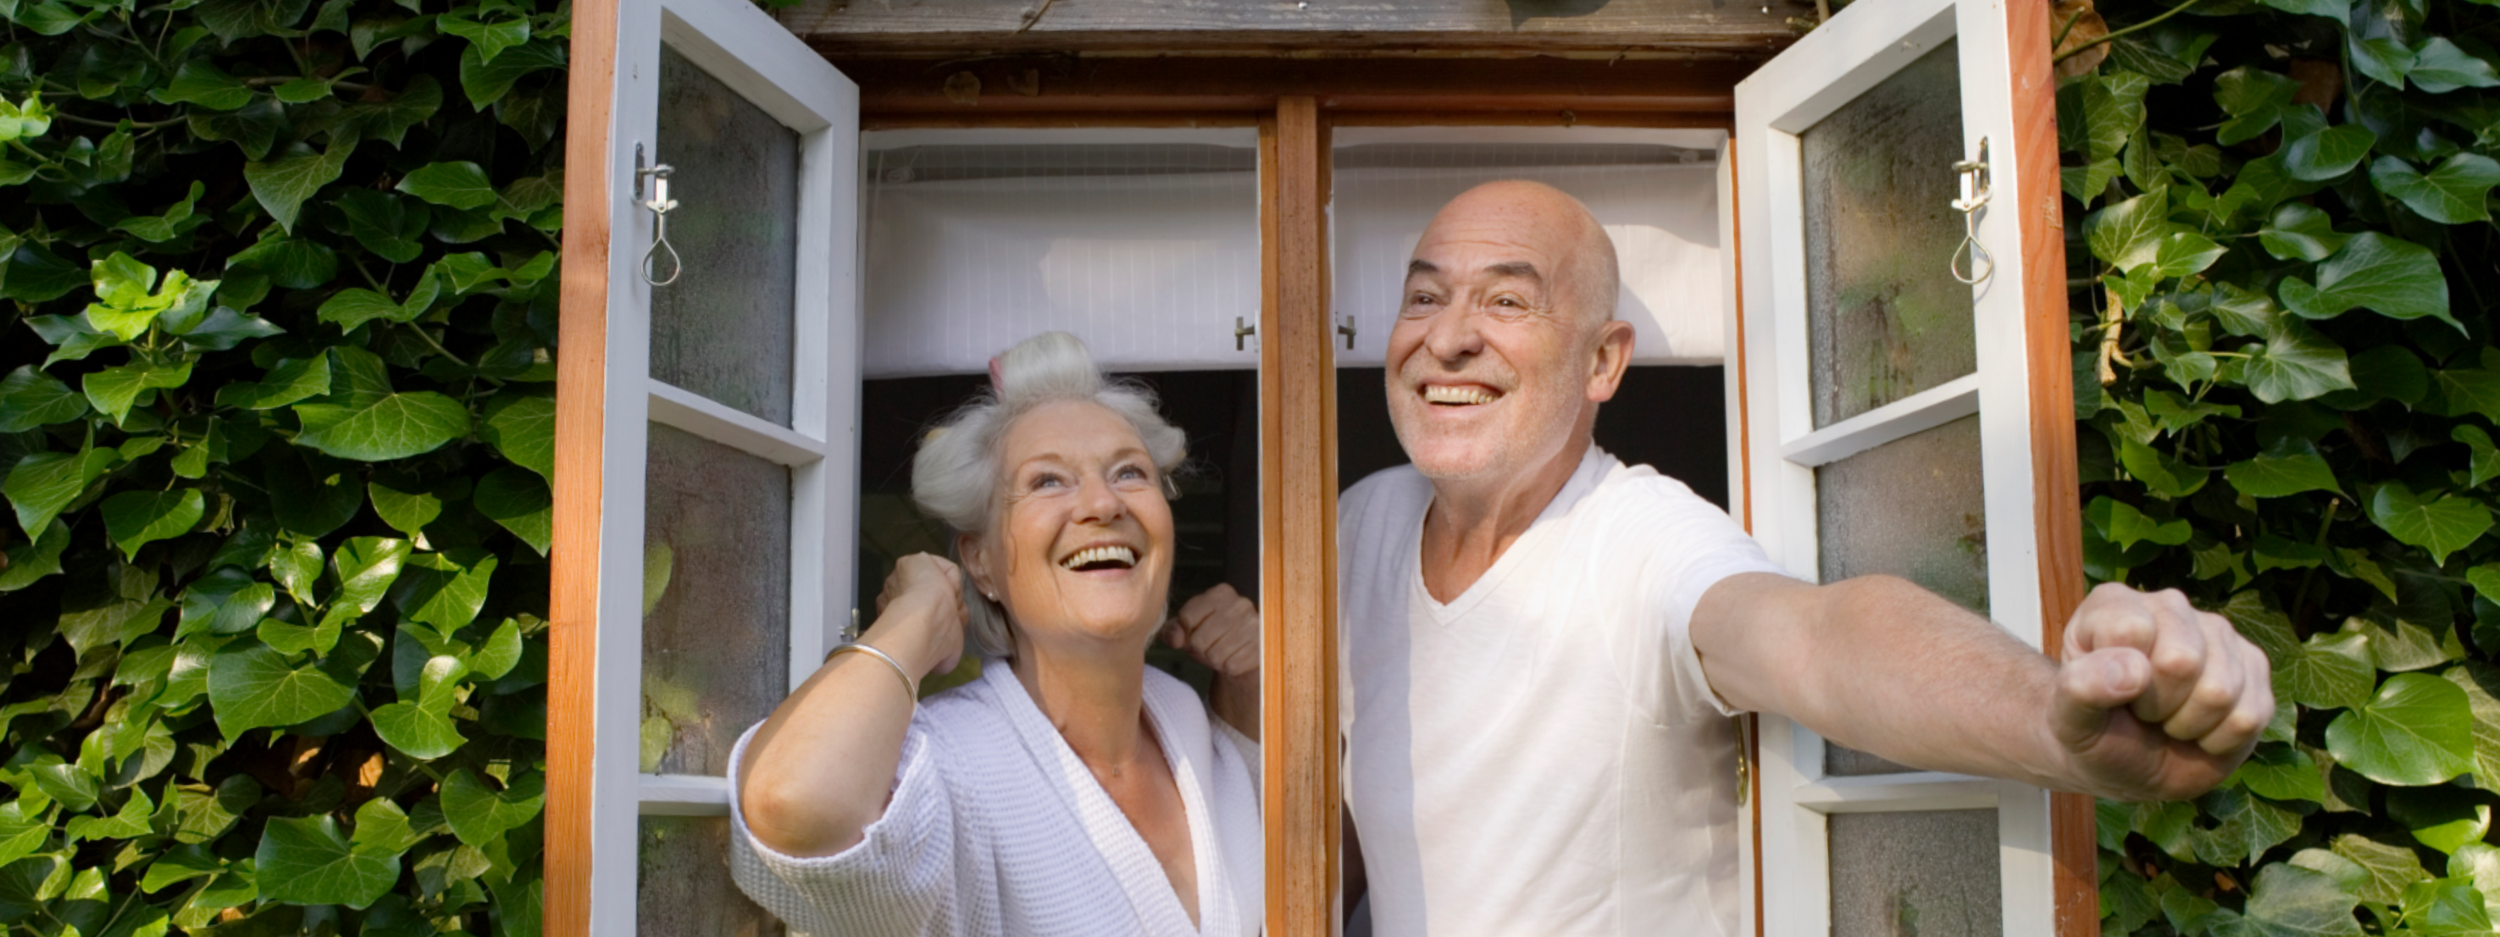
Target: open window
x=731, y=445
x=1906, y=377
x=707, y=443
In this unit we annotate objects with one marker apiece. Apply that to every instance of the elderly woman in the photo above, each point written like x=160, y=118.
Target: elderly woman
x=1068, y=790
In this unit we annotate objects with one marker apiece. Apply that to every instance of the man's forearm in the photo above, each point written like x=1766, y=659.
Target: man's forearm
x=1883, y=666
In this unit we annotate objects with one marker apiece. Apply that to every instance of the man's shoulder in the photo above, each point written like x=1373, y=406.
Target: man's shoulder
x=1639, y=494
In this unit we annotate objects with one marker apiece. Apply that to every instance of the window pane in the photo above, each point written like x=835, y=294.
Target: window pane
x=1886, y=317
x=1933, y=873
x=1912, y=508
x=716, y=599
x=685, y=885
x=725, y=328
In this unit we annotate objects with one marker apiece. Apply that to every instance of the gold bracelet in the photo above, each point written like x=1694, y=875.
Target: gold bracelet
x=910, y=686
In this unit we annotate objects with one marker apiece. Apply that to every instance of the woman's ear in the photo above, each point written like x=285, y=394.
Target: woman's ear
x=972, y=553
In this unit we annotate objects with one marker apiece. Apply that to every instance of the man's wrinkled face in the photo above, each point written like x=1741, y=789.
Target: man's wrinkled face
x=1488, y=363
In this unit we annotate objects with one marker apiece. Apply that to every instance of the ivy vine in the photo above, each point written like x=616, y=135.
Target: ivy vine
x=2281, y=250
x=277, y=320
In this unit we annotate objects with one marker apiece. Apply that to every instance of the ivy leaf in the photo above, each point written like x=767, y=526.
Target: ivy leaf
x=523, y=428
x=134, y=519
x=2328, y=153
x=2254, y=98
x=304, y=860
x=294, y=263
x=498, y=654
x=389, y=226
x=416, y=732
x=519, y=502
x=487, y=82
x=2386, y=868
x=2441, y=525
x=458, y=185
x=2331, y=671
x=2300, y=232
x=2287, y=467
x=2452, y=194
x=395, y=426
x=2129, y=234
x=31, y=398
x=365, y=567
x=388, y=121
x=296, y=567
x=251, y=685
x=40, y=486
x=32, y=560
x=282, y=185
x=2248, y=826
x=488, y=38
x=2439, y=67
x=329, y=496
x=2128, y=526
x=291, y=381
x=2296, y=364
x=2442, y=818
x=114, y=390
x=2281, y=772
x=2469, y=390
x=2185, y=252
x=2485, y=462
x=480, y=815
x=2479, y=681
x=446, y=593
x=2243, y=312
x=2159, y=471
x=2414, y=731
x=407, y=511
x=2289, y=900
x=225, y=328
x=2394, y=278
x=2382, y=58
x=201, y=82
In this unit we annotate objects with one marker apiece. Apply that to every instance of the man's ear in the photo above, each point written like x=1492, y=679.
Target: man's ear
x=972, y=552
x=1611, y=354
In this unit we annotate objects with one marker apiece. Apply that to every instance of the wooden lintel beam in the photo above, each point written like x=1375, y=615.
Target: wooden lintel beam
x=1202, y=25
x=1042, y=84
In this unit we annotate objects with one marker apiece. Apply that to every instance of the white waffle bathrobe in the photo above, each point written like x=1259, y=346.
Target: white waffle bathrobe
x=996, y=828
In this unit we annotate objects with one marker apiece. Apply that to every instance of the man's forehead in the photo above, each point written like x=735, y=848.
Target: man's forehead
x=1516, y=269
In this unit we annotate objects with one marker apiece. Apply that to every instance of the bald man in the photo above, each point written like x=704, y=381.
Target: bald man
x=1541, y=644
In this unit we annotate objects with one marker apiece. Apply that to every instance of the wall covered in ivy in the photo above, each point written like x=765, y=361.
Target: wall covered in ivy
x=2281, y=253
x=277, y=322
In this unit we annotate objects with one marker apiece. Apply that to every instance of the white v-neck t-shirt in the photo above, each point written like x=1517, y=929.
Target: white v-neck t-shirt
x=1542, y=755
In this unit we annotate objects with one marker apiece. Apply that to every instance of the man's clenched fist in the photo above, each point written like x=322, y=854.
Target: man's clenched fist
x=2154, y=699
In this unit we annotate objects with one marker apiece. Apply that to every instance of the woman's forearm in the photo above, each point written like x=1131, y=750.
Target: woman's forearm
x=1237, y=702
x=821, y=769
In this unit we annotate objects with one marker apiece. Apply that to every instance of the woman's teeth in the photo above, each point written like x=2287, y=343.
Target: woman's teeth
x=1115, y=556
x=1446, y=393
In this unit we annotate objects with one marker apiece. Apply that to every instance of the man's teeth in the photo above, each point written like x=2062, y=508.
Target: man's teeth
x=1110, y=554
x=1445, y=393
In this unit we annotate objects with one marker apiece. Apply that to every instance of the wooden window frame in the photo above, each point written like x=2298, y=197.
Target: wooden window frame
x=1294, y=103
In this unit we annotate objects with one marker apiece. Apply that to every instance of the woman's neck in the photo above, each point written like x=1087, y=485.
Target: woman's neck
x=1093, y=699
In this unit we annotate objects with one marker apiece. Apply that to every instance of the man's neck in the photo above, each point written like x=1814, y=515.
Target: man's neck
x=1470, y=525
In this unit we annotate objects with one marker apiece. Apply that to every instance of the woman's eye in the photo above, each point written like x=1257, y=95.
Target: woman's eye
x=1128, y=473
x=1040, y=482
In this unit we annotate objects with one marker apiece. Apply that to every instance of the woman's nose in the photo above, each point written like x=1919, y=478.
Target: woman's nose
x=1096, y=503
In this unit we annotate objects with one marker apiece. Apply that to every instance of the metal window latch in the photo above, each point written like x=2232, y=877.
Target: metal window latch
x=1241, y=333
x=1975, y=191
x=1744, y=758
x=1346, y=329
x=660, y=205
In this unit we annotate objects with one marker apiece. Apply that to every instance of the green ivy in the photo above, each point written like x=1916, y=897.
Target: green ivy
x=2281, y=245
x=277, y=323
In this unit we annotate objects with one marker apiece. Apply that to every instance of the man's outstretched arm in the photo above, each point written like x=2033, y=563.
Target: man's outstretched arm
x=2153, y=700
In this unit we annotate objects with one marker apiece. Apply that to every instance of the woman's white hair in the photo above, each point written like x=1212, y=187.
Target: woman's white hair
x=955, y=475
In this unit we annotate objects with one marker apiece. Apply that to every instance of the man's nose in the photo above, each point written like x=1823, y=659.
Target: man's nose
x=1453, y=334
